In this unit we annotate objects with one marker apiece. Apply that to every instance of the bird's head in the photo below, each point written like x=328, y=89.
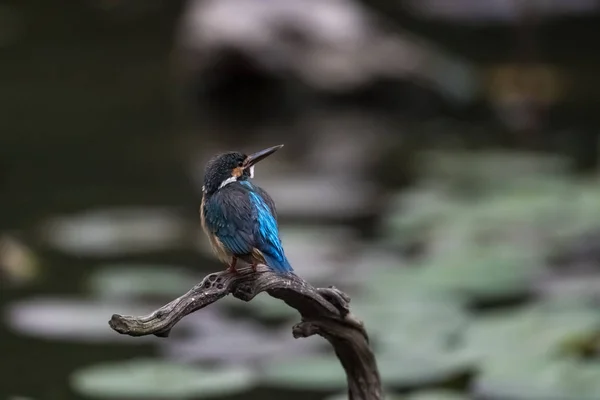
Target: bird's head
x=233, y=166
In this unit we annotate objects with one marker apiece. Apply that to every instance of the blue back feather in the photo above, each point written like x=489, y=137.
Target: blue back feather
x=268, y=233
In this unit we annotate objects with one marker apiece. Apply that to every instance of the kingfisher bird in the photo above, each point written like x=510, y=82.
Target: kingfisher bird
x=239, y=217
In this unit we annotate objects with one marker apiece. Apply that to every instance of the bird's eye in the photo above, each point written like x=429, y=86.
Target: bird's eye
x=240, y=163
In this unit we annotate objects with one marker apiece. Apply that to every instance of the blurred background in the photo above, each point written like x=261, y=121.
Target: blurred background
x=440, y=166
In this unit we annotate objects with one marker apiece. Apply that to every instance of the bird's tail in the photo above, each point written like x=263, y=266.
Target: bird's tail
x=278, y=264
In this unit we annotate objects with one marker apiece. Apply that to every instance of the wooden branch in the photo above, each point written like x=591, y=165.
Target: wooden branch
x=324, y=312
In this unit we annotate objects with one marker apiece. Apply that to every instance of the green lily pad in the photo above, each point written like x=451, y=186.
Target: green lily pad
x=344, y=396
x=487, y=272
x=415, y=321
x=417, y=368
x=157, y=379
x=517, y=376
x=489, y=170
x=583, y=207
x=516, y=217
x=516, y=207
x=437, y=394
x=414, y=213
x=415, y=338
x=318, y=372
x=128, y=281
x=531, y=331
x=76, y=320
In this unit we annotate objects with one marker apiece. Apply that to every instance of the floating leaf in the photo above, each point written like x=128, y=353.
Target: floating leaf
x=75, y=320
x=415, y=321
x=318, y=372
x=492, y=272
x=531, y=331
x=490, y=169
x=517, y=376
x=414, y=213
x=415, y=336
x=509, y=211
x=130, y=280
x=344, y=396
x=416, y=368
x=157, y=379
x=583, y=208
x=437, y=394
x=114, y=232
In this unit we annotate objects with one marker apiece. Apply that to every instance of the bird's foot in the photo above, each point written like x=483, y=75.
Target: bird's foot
x=231, y=268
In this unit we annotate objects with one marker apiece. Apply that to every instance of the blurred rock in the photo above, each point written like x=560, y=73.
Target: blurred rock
x=330, y=46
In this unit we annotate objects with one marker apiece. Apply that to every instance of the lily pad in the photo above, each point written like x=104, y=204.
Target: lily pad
x=344, y=396
x=583, y=211
x=157, y=379
x=417, y=368
x=489, y=170
x=113, y=232
x=529, y=331
x=416, y=337
x=72, y=319
x=514, y=211
x=484, y=273
x=437, y=394
x=520, y=377
x=414, y=213
x=415, y=321
x=318, y=372
x=130, y=281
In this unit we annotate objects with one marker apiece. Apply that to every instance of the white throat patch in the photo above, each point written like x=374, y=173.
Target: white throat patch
x=227, y=181
x=233, y=178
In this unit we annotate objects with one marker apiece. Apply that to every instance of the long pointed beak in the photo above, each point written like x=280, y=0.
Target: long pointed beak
x=260, y=155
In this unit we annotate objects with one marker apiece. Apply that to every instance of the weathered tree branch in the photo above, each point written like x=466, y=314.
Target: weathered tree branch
x=324, y=312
